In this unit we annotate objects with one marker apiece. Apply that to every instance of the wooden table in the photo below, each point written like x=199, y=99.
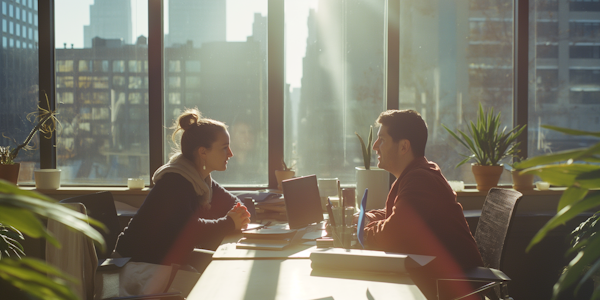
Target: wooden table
x=287, y=274
x=294, y=279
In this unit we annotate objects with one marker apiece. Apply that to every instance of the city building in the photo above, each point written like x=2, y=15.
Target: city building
x=109, y=19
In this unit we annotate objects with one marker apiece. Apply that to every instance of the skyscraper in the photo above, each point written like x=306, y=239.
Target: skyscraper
x=200, y=21
x=18, y=71
x=109, y=19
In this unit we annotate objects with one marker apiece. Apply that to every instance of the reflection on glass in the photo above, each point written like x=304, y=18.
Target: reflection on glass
x=569, y=79
x=215, y=60
x=103, y=139
x=335, y=73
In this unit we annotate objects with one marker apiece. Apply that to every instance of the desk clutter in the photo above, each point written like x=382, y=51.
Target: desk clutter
x=271, y=204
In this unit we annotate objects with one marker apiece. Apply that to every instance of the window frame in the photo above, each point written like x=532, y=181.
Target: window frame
x=276, y=84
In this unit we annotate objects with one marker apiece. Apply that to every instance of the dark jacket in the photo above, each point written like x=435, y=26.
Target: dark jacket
x=171, y=223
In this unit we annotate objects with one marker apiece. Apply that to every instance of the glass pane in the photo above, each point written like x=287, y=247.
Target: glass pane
x=453, y=56
x=335, y=73
x=100, y=74
x=19, y=90
x=215, y=60
x=566, y=74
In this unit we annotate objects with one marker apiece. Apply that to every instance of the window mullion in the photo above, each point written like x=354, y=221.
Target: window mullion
x=392, y=89
x=521, y=69
x=155, y=83
x=47, y=77
x=275, y=64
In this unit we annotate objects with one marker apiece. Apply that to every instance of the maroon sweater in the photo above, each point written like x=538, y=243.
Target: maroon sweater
x=422, y=216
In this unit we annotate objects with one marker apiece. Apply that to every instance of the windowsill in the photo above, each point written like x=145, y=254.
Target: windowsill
x=78, y=190
x=468, y=192
x=475, y=193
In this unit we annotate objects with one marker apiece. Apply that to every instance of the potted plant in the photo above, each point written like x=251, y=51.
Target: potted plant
x=488, y=146
x=375, y=179
x=521, y=181
x=578, y=170
x=45, y=122
x=285, y=173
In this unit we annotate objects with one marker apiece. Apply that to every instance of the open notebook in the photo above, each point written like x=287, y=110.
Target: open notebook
x=303, y=208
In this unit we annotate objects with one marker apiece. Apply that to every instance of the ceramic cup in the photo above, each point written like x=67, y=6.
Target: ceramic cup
x=135, y=183
x=457, y=186
x=47, y=179
x=542, y=185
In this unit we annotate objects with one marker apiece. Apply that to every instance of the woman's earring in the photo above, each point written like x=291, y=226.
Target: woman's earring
x=203, y=167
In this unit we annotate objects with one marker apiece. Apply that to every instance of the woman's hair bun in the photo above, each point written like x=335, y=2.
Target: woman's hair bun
x=189, y=118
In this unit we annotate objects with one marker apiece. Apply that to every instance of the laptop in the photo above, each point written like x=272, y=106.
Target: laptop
x=303, y=208
x=302, y=201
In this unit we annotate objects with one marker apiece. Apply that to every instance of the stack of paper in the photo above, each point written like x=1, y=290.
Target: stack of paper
x=267, y=239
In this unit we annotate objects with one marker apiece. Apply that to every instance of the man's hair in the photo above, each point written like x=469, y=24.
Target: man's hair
x=406, y=124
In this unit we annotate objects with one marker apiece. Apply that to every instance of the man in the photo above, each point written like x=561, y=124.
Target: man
x=421, y=215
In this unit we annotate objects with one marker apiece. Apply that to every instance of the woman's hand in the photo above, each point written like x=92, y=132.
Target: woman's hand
x=240, y=216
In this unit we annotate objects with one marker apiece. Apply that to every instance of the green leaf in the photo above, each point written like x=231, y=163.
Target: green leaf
x=590, y=179
x=370, y=145
x=571, y=131
x=9, y=188
x=30, y=275
x=487, y=143
x=25, y=222
x=593, y=269
x=366, y=160
x=571, y=195
x=562, y=174
x=564, y=215
x=550, y=158
x=57, y=212
x=576, y=267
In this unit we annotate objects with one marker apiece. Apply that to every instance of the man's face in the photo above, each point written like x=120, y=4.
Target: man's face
x=387, y=150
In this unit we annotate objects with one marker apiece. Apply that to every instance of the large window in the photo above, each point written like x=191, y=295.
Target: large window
x=564, y=89
x=102, y=91
x=217, y=55
x=216, y=60
x=335, y=62
x=453, y=56
x=19, y=90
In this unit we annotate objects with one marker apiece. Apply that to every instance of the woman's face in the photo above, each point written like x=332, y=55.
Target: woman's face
x=219, y=153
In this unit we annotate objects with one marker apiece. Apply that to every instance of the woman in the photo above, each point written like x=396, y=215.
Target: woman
x=186, y=208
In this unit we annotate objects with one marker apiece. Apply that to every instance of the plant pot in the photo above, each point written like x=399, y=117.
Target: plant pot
x=522, y=182
x=47, y=179
x=486, y=177
x=283, y=175
x=10, y=173
x=377, y=181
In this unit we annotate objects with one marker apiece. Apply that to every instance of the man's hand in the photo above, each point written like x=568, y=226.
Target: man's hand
x=355, y=219
x=240, y=216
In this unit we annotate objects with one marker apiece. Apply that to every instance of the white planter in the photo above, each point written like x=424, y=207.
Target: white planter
x=377, y=181
x=47, y=179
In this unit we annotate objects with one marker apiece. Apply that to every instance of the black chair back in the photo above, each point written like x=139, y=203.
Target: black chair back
x=101, y=206
x=494, y=223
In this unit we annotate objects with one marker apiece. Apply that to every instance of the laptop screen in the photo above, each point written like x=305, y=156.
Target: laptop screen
x=302, y=201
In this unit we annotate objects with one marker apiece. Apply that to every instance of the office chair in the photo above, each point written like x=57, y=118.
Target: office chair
x=101, y=206
x=77, y=257
x=490, y=235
